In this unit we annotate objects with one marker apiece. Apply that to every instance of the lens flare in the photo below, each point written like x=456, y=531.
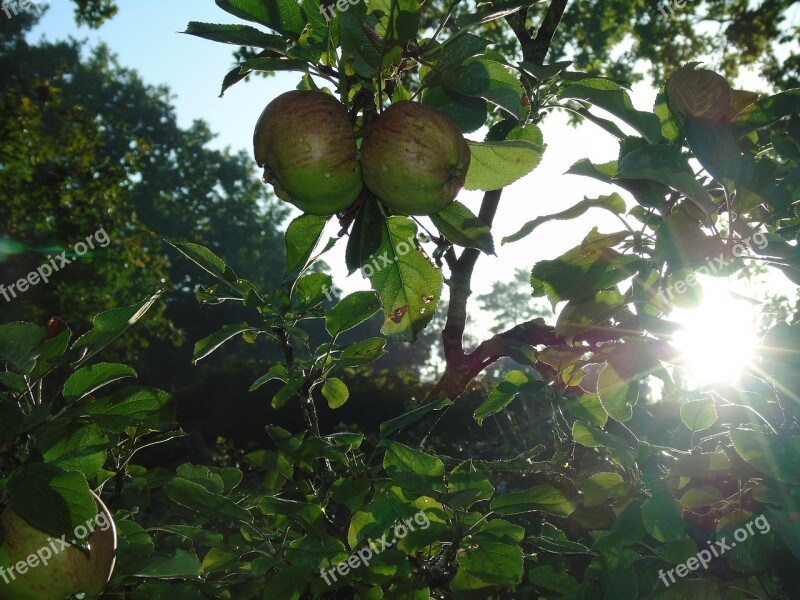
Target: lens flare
x=717, y=339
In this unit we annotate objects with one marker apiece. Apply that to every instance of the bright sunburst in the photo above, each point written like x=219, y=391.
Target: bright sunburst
x=717, y=338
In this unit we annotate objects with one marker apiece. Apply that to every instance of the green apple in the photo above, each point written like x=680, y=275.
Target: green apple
x=36, y=566
x=307, y=147
x=414, y=159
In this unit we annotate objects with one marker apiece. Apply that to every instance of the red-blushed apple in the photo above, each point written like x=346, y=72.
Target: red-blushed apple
x=414, y=159
x=307, y=147
x=36, y=566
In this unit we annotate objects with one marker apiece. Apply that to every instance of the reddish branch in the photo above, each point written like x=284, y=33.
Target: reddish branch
x=462, y=368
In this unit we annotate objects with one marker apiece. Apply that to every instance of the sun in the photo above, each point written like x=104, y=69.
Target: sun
x=717, y=339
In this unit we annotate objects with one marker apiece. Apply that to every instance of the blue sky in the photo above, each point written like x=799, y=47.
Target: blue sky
x=145, y=35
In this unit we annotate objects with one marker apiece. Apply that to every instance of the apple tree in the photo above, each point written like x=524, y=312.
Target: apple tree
x=635, y=481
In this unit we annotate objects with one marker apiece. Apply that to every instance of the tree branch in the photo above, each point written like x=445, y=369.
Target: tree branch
x=536, y=50
x=461, y=368
x=460, y=279
x=457, y=376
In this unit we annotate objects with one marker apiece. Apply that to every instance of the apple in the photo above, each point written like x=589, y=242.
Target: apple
x=307, y=147
x=414, y=159
x=68, y=570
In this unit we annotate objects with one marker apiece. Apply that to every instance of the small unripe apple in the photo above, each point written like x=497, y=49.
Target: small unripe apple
x=36, y=566
x=415, y=159
x=307, y=147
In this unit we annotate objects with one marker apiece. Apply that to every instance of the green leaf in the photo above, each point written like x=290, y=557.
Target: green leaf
x=585, y=270
x=700, y=497
x=13, y=382
x=754, y=552
x=19, y=344
x=287, y=392
x=409, y=286
x=613, y=203
x=75, y=447
x=558, y=545
x=496, y=10
x=398, y=21
x=275, y=372
x=109, y=325
x=776, y=456
x=206, y=346
x=665, y=164
x=496, y=164
x=677, y=552
x=454, y=53
x=312, y=288
x=618, y=576
x=365, y=236
x=88, y=380
x=283, y=16
x=391, y=426
x=788, y=528
x=699, y=414
x=600, y=487
x=468, y=112
x=711, y=464
x=501, y=396
x=196, y=498
x=210, y=263
x=239, y=35
x=203, y=476
x=362, y=352
x=609, y=96
x=587, y=408
x=310, y=515
x=494, y=562
x=544, y=498
x=51, y=498
x=662, y=517
x=271, y=461
x=302, y=236
x=412, y=469
x=547, y=578
x=502, y=530
x=767, y=111
x=180, y=565
x=618, y=384
x=351, y=311
x=460, y=226
x=273, y=63
x=53, y=348
x=590, y=437
x=466, y=477
x=288, y=583
x=146, y=409
x=362, y=47
x=11, y=419
x=488, y=79
x=583, y=315
x=335, y=392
